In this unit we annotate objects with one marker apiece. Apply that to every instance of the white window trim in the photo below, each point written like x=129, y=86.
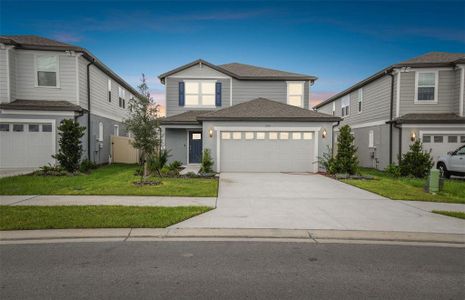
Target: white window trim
x=100, y=132
x=348, y=105
x=436, y=84
x=199, y=82
x=36, y=78
x=303, y=92
x=359, y=101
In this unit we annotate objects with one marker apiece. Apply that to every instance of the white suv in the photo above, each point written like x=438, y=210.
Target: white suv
x=453, y=163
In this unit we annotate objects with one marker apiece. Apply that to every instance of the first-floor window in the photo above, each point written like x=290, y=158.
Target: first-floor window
x=371, y=139
x=100, y=132
x=116, y=130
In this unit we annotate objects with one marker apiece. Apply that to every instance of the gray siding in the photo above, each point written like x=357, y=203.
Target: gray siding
x=25, y=78
x=12, y=61
x=176, y=142
x=242, y=90
x=172, y=96
x=99, y=93
x=3, y=76
x=447, y=94
x=378, y=156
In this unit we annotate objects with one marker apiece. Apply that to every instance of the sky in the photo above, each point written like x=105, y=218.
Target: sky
x=339, y=42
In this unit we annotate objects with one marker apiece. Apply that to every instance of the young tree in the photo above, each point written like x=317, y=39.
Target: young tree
x=346, y=157
x=416, y=162
x=69, y=155
x=143, y=123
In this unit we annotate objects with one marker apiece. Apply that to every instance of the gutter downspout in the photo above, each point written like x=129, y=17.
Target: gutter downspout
x=391, y=115
x=400, y=142
x=88, y=107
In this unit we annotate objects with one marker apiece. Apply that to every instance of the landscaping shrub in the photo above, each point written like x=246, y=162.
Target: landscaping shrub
x=87, y=166
x=416, y=162
x=392, y=170
x=70, y=152
x=175, y=165
x=346, y=160
x=327, y=161
x=207, y=162
x=50, y=170
x=158, y=161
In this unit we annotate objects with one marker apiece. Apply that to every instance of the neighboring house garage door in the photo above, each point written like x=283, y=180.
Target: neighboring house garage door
x=26, y=144
x=271, y=151
x=441, y=143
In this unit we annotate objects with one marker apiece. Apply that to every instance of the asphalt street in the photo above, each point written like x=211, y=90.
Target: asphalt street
x=230, y=270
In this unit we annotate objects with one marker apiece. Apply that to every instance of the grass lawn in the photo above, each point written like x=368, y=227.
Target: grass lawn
x=59, y=217
x=455, y=214
x=409, y=188
x=115, y=179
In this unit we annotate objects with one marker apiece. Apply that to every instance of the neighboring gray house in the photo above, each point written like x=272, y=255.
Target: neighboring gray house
x=421, y=98
x=42, y=82
x=252, y=119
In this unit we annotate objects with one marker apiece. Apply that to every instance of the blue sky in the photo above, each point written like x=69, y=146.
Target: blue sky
x=339, y=42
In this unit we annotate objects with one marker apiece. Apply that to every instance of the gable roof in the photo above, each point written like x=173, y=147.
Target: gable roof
x=262, y=109
x=431, y=59
x=34, y=42
x=243, y=72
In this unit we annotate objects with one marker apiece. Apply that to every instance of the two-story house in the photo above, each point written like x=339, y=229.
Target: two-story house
x=252, y=119
x=42, y=82
x=421, y=98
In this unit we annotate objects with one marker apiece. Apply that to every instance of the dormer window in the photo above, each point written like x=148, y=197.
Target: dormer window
x=295, y=93
x=47, y=70
x=426, y=87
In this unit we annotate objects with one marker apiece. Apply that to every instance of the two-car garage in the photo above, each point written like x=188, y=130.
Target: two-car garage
x=274, y=150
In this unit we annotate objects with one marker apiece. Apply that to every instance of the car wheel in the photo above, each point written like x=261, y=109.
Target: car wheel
x=443, y=169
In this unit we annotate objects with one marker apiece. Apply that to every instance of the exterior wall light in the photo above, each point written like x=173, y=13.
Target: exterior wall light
x=210, y=132
x=413, y=136
x=323, y=135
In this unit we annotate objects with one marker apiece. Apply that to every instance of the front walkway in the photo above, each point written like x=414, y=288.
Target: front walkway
x=308, y=201
x=107, y=200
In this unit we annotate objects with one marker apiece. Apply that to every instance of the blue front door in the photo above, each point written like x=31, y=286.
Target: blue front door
x=195, y=147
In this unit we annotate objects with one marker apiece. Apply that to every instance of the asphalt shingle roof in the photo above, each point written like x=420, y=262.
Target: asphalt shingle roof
x=262, y=109
x=243, y=72
x=41, y=105
x=430, y=118
x=434, y=58
x=186, y=118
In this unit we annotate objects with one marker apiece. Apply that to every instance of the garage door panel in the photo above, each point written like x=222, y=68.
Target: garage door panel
x=280, y=155
x=25, y=149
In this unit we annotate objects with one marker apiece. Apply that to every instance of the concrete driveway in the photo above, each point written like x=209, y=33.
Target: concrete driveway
x=308, y=201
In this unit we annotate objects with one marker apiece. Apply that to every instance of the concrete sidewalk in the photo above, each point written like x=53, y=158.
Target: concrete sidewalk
x=147, y=234
x=55, y=200
x=430, y=206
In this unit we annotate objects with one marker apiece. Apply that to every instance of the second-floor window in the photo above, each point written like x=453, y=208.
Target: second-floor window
x=122, y=97
x=109, y=90
x=345, y=106
x=295, y=93
x=47, y=70
x=360, y=100
x=426, y=85
x=334, y=108
x=199, y=93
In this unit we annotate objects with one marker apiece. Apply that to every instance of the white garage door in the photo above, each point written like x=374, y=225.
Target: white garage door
x=26, y=145
x=255, y=151
x=440, y=144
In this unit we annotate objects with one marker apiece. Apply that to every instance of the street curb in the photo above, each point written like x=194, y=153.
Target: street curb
x=313, y=236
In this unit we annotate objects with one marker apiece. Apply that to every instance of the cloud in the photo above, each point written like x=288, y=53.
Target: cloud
x=318, y=97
